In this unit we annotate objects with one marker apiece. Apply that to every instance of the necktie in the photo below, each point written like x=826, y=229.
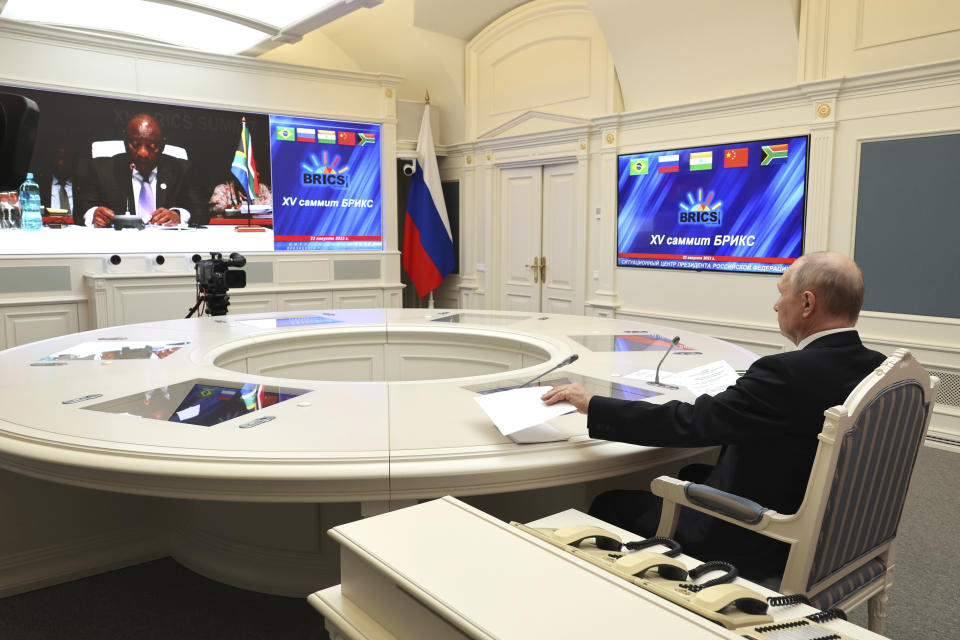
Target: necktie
x=64, y=198
x=145, y=202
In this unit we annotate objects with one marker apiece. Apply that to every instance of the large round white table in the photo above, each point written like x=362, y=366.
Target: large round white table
x=387, y=415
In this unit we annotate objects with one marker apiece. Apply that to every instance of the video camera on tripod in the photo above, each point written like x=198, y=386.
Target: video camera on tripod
x=214, y=279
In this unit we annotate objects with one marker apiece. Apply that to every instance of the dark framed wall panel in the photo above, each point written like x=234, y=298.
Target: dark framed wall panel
x=908, y=225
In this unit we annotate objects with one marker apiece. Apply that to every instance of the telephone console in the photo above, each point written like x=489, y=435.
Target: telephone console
x=732, y=605
x=721, y=596
x=808, y=628
x=639, y=562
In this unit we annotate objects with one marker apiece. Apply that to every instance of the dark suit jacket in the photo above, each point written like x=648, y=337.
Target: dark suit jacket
x=767, y=423
x=107, y=183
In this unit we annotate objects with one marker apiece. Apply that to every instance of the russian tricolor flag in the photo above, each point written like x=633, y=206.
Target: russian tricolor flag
x=428, y=255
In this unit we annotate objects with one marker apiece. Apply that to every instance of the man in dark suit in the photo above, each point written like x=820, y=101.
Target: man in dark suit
x=767, y=422
x=141, y=180
x=56, y=187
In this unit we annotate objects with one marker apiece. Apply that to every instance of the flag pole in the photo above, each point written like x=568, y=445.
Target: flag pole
x=428, y=251
x=426, y=100
x=243, y=125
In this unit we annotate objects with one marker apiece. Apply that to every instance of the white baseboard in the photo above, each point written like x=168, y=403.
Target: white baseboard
x=45, y=566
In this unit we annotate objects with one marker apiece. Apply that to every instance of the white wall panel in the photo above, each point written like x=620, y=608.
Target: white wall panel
x=842, y=38
x=547, y=55
x=669, y=53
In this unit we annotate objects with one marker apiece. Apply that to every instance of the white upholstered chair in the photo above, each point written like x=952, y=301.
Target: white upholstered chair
x=842, y=536
x=110, y=148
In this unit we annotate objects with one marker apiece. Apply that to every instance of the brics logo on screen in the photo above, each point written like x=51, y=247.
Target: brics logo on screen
x=324, y=172
x=700, y=210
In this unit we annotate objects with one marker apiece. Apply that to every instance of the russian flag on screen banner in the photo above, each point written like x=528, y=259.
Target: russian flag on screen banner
x=428, y=255
x=669, y=163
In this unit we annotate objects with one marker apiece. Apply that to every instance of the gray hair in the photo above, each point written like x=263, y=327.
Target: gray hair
x=835, y=279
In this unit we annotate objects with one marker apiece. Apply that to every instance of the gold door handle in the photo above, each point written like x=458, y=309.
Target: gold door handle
x=543, y=269
x=535, y=266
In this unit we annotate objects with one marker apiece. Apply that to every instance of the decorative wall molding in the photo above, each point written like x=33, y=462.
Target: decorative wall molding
x=534, y=116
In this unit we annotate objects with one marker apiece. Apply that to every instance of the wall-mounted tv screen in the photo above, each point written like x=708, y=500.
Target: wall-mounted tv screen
x=236, y=181
x=727, y=207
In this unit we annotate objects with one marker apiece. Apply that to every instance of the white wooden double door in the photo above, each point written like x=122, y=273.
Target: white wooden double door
x=541, y=252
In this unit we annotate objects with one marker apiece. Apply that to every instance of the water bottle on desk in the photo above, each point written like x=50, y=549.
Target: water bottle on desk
x=31, y=211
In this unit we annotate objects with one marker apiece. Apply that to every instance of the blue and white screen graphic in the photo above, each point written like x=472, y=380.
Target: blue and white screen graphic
x=326, y=185
x=730, y=207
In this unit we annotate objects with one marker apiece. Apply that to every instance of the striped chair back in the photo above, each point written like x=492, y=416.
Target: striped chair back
x=874, y=466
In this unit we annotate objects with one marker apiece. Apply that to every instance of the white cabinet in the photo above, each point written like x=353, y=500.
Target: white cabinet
x=27, y=323
x=354, y=299
x=129, y=298
x=306, y=301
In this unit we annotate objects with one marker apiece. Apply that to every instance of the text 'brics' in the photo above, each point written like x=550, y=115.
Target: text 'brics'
x=716, y=241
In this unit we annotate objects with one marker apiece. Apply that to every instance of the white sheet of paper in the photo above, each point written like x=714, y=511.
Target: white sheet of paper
x=189, y=412
x=517, y=409
x=711, y=378
x=543, y=432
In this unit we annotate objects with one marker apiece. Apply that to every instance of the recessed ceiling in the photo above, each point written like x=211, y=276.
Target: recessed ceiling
x=461, y=19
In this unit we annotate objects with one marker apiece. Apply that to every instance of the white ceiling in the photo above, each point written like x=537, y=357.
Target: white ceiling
x=461, y=19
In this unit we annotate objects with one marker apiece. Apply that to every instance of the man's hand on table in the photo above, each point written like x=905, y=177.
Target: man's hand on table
x=576, y=394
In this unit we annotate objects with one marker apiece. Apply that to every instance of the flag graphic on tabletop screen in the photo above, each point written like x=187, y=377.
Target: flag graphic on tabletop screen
x=306, y=135
x=243, y=166
x=326, y=136
x=428, y=255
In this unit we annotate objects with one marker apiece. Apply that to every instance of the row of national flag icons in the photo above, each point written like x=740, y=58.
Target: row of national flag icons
x=325, y=136
x=703, y=160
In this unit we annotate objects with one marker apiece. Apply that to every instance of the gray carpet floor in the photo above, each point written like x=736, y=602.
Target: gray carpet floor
x=924, y=594
x=161, y=600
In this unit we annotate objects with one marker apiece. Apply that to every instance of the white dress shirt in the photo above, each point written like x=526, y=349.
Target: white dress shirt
x=55, y=194
x=813, y=336
x=136, y=181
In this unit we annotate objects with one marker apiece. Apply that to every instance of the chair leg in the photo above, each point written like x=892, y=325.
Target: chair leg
x=669, y=517
x=877, y=612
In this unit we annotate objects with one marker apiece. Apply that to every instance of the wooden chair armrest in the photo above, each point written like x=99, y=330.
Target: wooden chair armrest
x=719, y=504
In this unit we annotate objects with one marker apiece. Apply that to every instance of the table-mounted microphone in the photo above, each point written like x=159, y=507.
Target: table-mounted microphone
x=568, y=360
x=656, y=380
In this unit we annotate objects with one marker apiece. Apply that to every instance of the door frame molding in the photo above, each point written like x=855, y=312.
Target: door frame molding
x=496, y=219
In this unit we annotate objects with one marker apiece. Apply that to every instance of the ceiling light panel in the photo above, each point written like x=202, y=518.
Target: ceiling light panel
x=151, y=20
x=278, y=13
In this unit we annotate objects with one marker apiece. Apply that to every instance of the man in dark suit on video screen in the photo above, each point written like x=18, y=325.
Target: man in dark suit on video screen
x=56, y=185
x=767, y=422
x=142, y=180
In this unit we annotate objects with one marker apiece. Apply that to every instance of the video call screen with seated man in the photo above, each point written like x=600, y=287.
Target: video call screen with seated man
x=130, y=176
